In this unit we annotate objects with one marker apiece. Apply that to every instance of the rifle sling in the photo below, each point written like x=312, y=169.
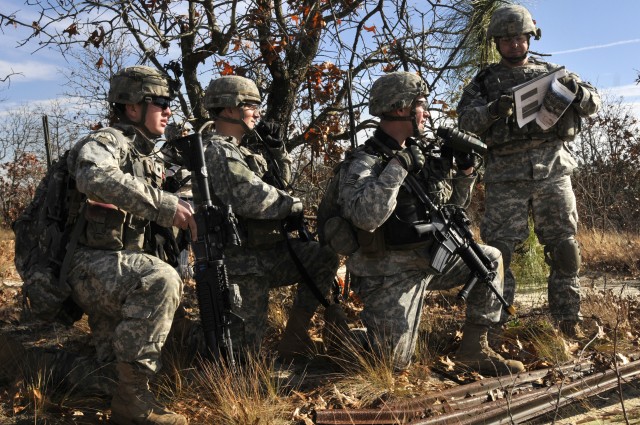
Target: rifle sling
x=306, y=277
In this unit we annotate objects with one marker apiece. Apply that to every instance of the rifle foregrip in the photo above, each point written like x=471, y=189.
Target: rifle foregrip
x=210, y=281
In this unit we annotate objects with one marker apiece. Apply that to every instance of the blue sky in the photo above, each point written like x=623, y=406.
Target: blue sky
x=598, y=40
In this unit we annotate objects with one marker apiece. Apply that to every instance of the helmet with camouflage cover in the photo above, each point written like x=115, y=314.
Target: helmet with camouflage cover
x=132, y=84
x=230, y=91
x=511, y=20
x=394, y=91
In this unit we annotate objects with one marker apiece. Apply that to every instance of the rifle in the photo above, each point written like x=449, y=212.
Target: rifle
x=293, y=223
x=449, y=225
x=216, y=229
x=47, y=141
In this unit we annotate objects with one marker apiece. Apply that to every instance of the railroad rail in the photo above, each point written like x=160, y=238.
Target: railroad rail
x=502, y=400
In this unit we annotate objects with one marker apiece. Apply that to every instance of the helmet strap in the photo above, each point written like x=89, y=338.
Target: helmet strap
x=240, y=122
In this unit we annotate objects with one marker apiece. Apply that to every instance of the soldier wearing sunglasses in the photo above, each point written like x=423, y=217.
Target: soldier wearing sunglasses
x=129, y=295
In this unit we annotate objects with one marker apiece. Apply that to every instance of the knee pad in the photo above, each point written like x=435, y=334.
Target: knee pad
x=505, y=249
x=564, y=257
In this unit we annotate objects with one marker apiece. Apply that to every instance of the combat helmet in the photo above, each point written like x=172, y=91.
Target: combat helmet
x=132, y=84
x=394, y=91
x=230, y=91
x=508, y=21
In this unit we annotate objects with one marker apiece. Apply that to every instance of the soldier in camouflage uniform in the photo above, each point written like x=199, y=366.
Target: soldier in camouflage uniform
x=129, y=295
x=528, y=169
x=391, y=269
x=239, y=178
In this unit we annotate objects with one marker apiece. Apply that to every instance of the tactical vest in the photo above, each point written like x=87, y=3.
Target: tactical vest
x=505, y=136
x=111, y=228
x=398, y=232
x=259, y=233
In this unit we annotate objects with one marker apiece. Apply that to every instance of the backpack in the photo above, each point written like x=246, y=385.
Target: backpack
x=42, y=235
x=335, y=231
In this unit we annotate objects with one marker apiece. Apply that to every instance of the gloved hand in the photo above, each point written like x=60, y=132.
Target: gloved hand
x=269, y=131
x=501, y=107
x=411, y=158
x=464, y=160
x=570, y=82
x=296, y=208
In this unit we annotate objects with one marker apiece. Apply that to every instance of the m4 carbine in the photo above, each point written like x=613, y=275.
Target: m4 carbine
x=216, y=230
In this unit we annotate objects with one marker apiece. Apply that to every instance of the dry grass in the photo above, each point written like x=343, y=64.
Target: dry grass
x=610, y=251
x=368, y=374
x=250, y=394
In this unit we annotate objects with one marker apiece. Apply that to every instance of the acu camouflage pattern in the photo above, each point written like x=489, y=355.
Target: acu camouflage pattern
x=129, y=295
x=131, y=85
x=528, y=172
x=394, y=91
x=262, y=261
x=511, y=20
x=230, y=91
x=392, y=283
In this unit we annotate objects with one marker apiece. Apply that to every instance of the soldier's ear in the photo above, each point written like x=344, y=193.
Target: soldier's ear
x=132, y=111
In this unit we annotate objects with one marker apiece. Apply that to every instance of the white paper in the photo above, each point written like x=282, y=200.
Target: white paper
x=528, y=97
x=555, y=102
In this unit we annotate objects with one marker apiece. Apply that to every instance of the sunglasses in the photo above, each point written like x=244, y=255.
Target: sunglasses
x=161, y=102
x=252, y=106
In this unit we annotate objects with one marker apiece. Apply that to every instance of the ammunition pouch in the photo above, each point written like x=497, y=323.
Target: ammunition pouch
x=262, y=233
x=111, y=228
x=339, y=234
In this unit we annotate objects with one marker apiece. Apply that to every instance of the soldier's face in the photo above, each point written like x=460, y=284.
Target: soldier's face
x=515, y=47
x=421, y=113
x=251, y=113
x=157, y=117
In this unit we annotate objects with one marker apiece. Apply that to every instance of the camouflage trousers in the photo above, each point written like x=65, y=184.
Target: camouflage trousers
x=130, y=299
x=552, y=205
x=253, y=272
x=393, y=303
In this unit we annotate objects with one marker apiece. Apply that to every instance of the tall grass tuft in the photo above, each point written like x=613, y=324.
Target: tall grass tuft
x=368, y=372
x=250, y=394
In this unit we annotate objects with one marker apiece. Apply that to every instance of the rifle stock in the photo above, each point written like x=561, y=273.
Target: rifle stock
x=216, y=229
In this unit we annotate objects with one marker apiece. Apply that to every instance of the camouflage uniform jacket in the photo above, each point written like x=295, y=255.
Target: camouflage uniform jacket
x=369, y=193
x=527, y=153
x=123, y=175
x=236, y=178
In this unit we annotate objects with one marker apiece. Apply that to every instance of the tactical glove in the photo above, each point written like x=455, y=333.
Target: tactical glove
x=501, y=108
x=296, y=208
x=411, y=158
x=463, y=160
x=269, y=131
x=570, y=82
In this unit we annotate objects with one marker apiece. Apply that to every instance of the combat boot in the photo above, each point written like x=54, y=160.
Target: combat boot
x=571, y=329
x=135, y=404
x=475, y=353
x=296, y=342
x=336, y=330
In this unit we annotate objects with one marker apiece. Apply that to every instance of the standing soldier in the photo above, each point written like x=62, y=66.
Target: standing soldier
x=241, y=177
x=129, y=295
x=528, y=169
x=391, y=270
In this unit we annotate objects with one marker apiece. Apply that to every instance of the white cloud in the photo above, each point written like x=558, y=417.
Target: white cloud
x=598, y=46
x=627, y=91
x=29, y=71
